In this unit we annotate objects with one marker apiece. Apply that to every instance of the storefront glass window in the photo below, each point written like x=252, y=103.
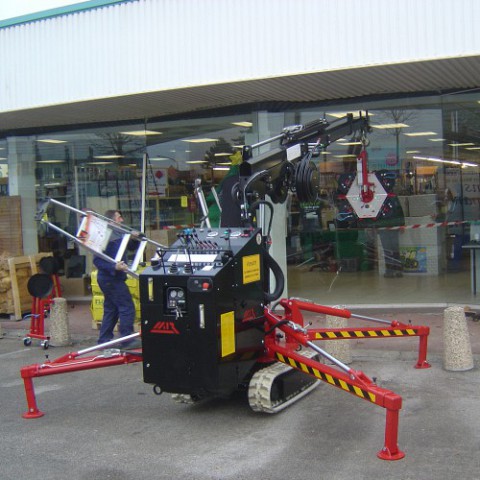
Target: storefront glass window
x=412, y=246
x=425, y=151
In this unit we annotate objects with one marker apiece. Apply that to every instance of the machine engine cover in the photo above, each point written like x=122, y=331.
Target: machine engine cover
x=202, y=313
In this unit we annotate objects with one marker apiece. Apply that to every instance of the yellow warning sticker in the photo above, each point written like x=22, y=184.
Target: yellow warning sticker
x=251, y=268
x=227, y=332
x=184, y=201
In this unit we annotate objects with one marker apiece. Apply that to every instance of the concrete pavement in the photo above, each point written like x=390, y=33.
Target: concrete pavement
x=108, y=424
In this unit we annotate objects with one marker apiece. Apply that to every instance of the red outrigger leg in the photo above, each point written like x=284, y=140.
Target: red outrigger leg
x=71, y=362
x=391, y=329
x=349, y=380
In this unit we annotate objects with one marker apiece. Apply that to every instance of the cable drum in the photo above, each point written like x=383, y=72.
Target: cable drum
x=307, y=180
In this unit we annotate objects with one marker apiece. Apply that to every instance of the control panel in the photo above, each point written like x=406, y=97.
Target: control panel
x=203, y=249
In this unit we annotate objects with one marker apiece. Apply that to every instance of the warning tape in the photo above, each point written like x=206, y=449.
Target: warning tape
x=325, y=377
x=427, y=225
x=366, y=333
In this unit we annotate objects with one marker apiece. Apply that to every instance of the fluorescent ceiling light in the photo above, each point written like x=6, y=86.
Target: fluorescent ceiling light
x=142, y=133
x=412, y=151
x=467, y=164
x=99, y=163
x=50, y=161
x=391, y=125
x=349, y=143
x=224, y=163
x=437, y=139
x=201, y=140
x=420, y=134
x=461, y=144
x=108, y=157
x=438, y=160
x=221, y=168
x=243, y=124
x=52, y=140
x=54, y=184
x=473, y=148
x=162, y=159
x=324, y=152
x=196, y=161
x=223, y=154
x=345, y=156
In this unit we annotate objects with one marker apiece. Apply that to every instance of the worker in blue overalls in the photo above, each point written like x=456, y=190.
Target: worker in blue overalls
x=111, y=277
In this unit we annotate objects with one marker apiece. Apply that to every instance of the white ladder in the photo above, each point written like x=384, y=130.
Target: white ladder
x=95, y=231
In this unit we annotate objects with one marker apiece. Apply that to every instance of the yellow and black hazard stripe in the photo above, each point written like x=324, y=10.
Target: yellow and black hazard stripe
x=407, y=332
x=360, y=392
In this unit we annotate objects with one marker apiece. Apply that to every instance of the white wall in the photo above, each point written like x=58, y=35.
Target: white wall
x=152, y=45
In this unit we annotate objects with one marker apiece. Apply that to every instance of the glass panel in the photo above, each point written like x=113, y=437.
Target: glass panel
x=203, y=150
x=95, y=169
x=427, y=148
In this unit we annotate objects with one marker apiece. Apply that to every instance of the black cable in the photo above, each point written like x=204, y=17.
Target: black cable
x=279, y=278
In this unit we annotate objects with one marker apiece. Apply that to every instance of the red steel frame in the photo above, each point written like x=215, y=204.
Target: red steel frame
x=284, y=350
x=352, y=381
x=37, y=318
x=71, y=362
x=293, y=308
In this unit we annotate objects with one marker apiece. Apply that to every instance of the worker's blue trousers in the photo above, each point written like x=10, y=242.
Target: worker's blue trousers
x=118, y=305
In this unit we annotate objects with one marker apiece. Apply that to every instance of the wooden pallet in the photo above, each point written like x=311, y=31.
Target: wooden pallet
x=22, y=301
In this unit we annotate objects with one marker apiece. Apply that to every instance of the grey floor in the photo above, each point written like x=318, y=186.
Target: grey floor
x=370, y=288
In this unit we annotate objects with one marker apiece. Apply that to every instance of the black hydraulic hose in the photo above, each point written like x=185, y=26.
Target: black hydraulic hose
x=279, y=278
x=278, y=324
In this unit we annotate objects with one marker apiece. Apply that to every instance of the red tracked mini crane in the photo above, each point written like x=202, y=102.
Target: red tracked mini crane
x=208, y=327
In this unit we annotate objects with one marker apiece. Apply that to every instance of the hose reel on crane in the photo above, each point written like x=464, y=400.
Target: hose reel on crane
x=307, y=179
